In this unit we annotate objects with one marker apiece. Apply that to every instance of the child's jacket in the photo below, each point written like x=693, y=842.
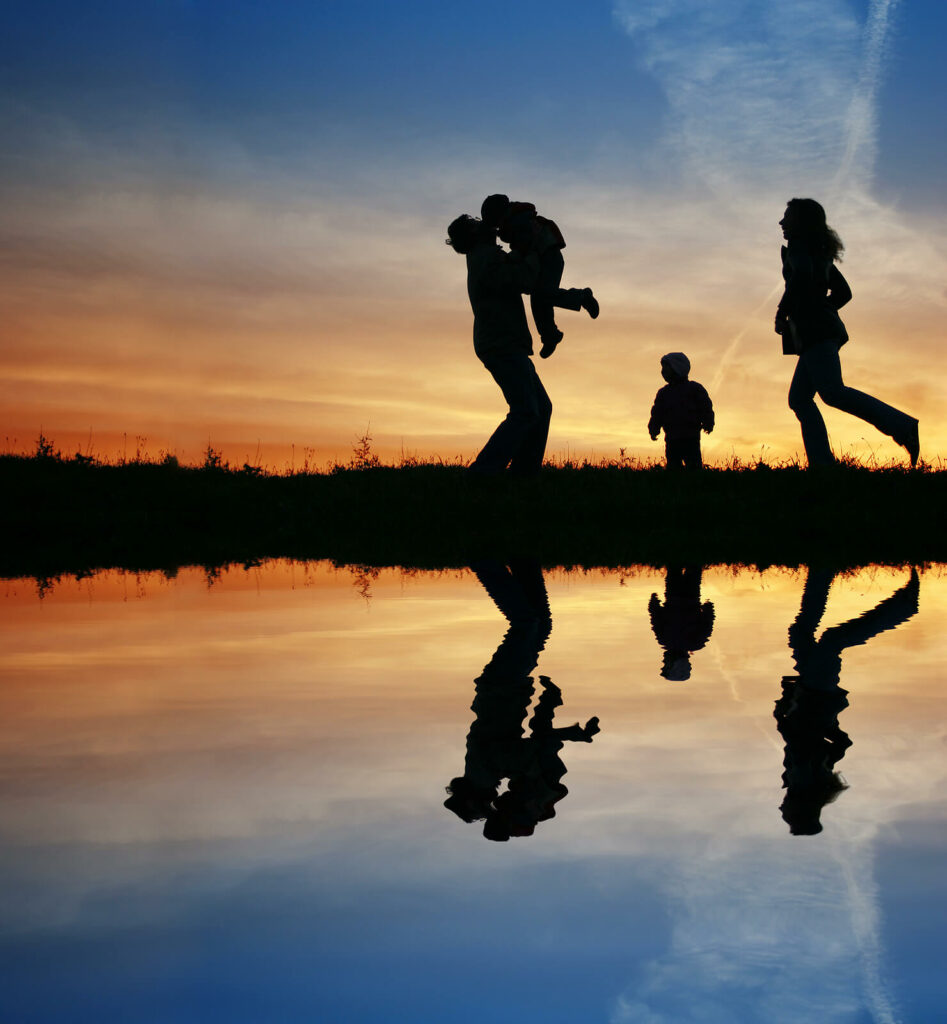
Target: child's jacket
x=682, y=409
x=522, y=228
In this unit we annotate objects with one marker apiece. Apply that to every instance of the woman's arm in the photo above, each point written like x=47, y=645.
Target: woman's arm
x=798, y=272
x=839, y=291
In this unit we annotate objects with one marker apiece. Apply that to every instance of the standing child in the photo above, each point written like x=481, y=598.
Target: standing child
x=524, y=230
x=682, y=408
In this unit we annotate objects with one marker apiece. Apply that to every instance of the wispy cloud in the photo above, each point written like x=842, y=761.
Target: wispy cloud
x=759, y=938
x=861, y=120
x=765, y=97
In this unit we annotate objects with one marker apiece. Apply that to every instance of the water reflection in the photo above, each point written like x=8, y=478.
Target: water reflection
x=497, y=747
x=808, y=710
x=219, y=802
x=682, y=625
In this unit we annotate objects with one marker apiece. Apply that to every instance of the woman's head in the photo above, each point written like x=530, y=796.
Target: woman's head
x=804, y=220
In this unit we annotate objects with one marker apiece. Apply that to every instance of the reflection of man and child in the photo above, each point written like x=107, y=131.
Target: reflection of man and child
x=807, y=319
x=807, y=712
x=498, y=747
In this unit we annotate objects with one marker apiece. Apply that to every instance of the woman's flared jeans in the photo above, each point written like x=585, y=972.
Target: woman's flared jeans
x=819, y=372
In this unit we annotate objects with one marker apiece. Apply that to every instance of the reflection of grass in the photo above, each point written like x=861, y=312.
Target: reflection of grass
x=75, y=514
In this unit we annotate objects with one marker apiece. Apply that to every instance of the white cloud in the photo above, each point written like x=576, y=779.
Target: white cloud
x=776, y=934
x=765, y=97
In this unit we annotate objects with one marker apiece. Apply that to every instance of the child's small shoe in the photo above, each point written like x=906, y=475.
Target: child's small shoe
x=589, y=303
x=550, y=341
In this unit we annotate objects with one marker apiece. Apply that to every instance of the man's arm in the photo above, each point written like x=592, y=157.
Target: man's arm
x=510, y=272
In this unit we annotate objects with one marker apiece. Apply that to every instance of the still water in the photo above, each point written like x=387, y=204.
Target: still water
x=298, y=793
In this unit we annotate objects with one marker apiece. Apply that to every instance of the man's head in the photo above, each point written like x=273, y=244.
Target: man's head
x=464, y=232
x=469, y=801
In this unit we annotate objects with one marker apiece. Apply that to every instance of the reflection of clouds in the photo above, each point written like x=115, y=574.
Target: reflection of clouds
x=310, y=776
x=773, y=935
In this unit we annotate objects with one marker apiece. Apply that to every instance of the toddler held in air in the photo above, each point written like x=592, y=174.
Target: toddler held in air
x=524, y=231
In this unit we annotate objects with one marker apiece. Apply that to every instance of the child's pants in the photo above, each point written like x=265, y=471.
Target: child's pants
x=547, y=294
x=683, y=452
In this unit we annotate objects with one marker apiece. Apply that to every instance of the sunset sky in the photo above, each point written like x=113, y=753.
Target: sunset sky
x=223, y=222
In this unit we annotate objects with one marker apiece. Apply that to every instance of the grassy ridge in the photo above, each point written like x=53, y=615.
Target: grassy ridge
x=63, y=515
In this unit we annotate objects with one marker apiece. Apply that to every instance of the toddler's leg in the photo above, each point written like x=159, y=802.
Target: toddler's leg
x=543, y=299
x=690, y=453
x=673, y=453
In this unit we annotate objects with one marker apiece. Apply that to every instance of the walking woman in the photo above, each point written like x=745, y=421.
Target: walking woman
x=808, y=320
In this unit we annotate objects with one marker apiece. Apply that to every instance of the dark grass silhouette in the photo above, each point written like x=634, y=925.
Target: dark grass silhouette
x=75, y=515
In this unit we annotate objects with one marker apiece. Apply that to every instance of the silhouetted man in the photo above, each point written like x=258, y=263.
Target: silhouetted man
x=808, y=710
x=495, y=282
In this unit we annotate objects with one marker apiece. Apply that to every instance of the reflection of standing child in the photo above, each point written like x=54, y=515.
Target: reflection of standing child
x=682, y=408
x=524, y=230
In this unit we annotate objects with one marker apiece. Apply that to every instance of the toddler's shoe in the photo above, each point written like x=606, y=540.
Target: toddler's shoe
x=550, y=341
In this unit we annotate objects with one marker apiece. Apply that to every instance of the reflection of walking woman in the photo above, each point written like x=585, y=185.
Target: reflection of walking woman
x=807, y=712
x=808, y=320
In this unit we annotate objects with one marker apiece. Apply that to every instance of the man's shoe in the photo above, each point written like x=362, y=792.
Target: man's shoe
x=589, y=303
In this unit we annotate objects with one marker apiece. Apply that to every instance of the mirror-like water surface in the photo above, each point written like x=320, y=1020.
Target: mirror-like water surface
x=299, y=793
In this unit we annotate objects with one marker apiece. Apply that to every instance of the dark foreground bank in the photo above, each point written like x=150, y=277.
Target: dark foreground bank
x=68, y=516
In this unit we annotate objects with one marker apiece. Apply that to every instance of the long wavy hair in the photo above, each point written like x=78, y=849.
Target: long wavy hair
x=812, y=227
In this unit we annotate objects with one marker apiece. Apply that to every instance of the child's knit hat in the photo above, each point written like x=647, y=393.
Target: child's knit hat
x=677, y=363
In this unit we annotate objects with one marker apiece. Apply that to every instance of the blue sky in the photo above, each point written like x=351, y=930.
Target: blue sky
x=549, y=79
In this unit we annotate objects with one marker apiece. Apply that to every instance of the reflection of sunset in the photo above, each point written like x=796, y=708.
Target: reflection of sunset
x=295, y=659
